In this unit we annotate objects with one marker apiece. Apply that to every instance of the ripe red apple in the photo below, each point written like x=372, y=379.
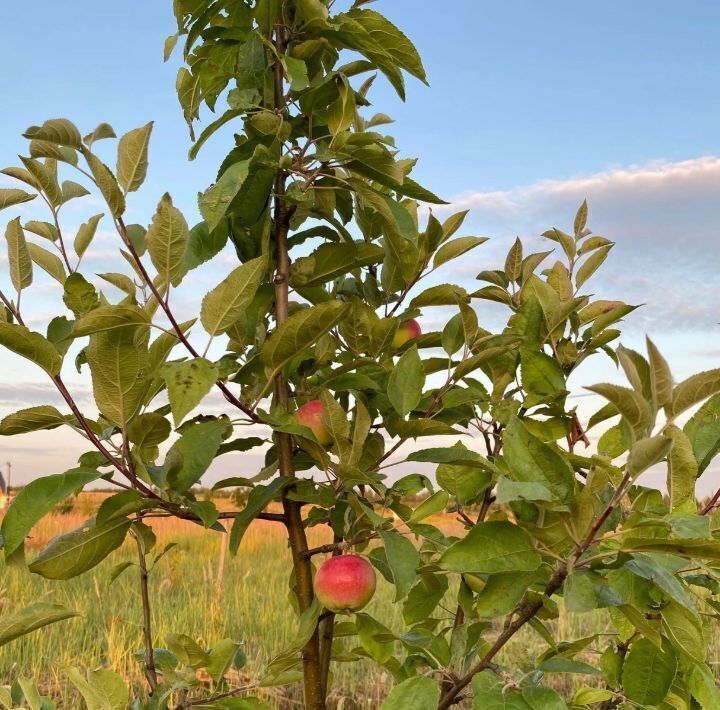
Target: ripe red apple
x=310, y=415
x=345, y=583
x=407, y=331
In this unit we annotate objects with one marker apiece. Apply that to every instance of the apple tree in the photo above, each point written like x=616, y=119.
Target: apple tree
x=317, y=338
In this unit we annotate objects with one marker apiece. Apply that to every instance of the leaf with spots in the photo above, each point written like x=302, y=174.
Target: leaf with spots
x=187, y=383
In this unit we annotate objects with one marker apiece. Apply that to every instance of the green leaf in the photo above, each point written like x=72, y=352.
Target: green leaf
x=102, y=131
x=581, y=219
x=436, y=503
x=450, y=455
x=101, y=689
x=530, y=460
x=122, y=282
x=107, y=184
x=541, y=374
x=703, y=687
x=73, y=553
x=592, y=264
x=132, y=160
x=390, y=40
x=120, y=374
x=403, y=560
x=32, y=419
x=629, y=403
x=341, y=113
x=259, y=498
x=375, y=638
x=561, y=664
x=660, y=375
x=25, y=690
x=685, y=631
x=56, y=130
x=418, y=693
x=85, y=234
x=490, y=694
x=30, y=618
x=58, y=333
x=42, y=229
x=211, y=128
x=648, y=672
x=47, y=261
x=424, y=598
x=682, y=471
x=513, y=261
x=23, y=176
x=329, y=261
x=406, y=382
x=79, y=295
x=646, y=453
x=656, y=569
x=149, y=429
x=508, y=490
x=703, y=431
x=120, y=505
x=694, y=389
x=298, y=73
x=501, y=594
x=71, y=190
x=214, y=202
x=203, y=245
x=32, y=346
x=464, y=482
x=21, y=271
x=456, y=248
x=187, y=383
x=590, y=696
x=187, y=650
x=440, y=295
x=228, y=301
x=300, y=331
x=9, y=197
x=167, y=239
x=490, y=548
x=192, y=454
x=220, y=658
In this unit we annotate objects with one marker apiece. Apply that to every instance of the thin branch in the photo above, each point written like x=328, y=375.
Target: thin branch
x=525, y=613
x=227, y=393
x=149, y=661
x=217, y=696
x=340, y=546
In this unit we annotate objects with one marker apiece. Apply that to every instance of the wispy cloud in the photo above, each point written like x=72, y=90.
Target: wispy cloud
x=664, y=217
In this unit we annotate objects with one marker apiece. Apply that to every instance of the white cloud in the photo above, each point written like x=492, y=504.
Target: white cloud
x=663, y=216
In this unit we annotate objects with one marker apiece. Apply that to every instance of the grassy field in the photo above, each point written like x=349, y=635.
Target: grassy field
x=247, y=601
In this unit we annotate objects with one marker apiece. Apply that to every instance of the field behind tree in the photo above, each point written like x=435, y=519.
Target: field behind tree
x=196, y=592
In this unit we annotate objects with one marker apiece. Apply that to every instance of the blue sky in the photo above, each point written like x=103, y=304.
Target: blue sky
x=532, y=108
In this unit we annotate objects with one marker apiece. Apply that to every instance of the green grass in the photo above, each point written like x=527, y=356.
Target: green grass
x=250, y=605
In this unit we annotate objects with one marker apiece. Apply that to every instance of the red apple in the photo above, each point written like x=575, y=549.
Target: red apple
x=310, y=415
x=345, y=583
x=407, y=331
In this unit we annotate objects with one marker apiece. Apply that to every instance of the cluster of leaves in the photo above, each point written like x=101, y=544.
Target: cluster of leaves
x=318, y=202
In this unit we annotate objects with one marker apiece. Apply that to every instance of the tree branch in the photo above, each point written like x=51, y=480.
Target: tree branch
x=227, y=393
x=149, y=662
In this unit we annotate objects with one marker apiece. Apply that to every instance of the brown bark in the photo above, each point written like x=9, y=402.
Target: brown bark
x=314, y=695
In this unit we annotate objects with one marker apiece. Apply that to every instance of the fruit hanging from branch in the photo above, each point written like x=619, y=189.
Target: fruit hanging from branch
x=408, y=330
x=345, y=583
x=310, y=415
